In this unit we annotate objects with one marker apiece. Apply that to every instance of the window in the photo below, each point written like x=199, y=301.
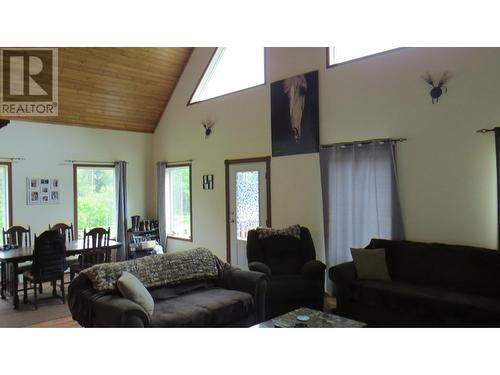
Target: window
x=230, y=70
x=5, y=197
x=95, y=199
x=338, y=55
x=178, y=202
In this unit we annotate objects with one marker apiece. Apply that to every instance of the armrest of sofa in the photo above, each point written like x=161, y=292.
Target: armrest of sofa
x=91, y=308
x=117, y=311
x=254, y=283
x=343, y=274
x=260, y=267
x=313, y=270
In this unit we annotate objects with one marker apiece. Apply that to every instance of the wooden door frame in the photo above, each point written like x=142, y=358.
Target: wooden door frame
x=227, y=163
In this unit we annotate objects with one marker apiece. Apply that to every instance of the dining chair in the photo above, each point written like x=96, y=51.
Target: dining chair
x=69, y=234
x=65, y=229
x=19, y=236
x=49, y=264
x=95, y=250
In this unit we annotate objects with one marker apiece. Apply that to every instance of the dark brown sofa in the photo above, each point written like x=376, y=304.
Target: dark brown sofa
x=235, y=299
x=433, y=285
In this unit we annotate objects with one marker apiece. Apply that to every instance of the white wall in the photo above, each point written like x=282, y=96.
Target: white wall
x=45, y=147
x=447, y=171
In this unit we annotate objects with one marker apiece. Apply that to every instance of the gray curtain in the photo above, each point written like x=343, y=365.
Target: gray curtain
x=360, y=197
x=121, y=209
x=160, y=203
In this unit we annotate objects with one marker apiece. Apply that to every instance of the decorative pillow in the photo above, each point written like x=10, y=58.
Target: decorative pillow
x=293, y=231
x=370, y=264
x=131, y=288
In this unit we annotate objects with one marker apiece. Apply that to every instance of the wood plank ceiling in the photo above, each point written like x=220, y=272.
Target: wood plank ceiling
x=116, y=88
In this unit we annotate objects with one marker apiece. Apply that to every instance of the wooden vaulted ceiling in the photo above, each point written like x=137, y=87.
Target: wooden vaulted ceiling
x=116, y=88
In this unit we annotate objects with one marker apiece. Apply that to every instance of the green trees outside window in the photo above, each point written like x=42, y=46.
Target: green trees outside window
x=96, y=198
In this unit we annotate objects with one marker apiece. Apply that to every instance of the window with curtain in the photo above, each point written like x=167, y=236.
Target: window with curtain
x=95, y=198
x=5, y=209
x=178, y=202
x=360, y=197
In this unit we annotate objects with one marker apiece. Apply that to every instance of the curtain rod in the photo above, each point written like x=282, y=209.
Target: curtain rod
x=11, y=159
x=363, y=142
x=90, y=162
x=485, y=130
x=176, y=162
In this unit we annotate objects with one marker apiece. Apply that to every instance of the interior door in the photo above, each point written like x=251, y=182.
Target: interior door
x=247, y=206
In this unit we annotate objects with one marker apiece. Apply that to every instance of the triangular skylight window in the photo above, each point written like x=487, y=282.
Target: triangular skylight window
x=339, y=55
x=231, y=69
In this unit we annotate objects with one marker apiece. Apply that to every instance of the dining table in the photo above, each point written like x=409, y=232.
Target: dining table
x=24, y=254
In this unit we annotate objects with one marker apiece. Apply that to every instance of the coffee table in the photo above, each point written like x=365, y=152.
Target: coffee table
x=317, y=319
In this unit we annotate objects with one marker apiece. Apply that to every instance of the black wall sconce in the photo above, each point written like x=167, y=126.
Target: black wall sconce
x=208, y=182
x=208, y=124
x=437, y=89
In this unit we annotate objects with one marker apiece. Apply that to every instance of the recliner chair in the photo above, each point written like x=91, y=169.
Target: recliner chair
x=296, y=278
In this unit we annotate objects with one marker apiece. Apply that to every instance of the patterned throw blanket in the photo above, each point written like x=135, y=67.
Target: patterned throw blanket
x=158, y=270
x=293, y=231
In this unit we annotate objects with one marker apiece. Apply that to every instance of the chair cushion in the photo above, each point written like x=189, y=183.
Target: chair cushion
x=130, y=287
x=215, y=307
x=370, y=264
x=282, y=254
x=292, y=287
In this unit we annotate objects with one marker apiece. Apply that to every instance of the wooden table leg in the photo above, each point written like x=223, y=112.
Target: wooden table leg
x=3, y=281
x=15, y=283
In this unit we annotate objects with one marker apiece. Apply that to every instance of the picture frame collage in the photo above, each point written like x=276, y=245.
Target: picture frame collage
x=42, y=190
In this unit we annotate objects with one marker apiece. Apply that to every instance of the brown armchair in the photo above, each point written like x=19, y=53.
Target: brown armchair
x=296, y=277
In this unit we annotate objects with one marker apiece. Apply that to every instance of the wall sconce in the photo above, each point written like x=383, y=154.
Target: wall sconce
x=208, y=124
x=208, y=182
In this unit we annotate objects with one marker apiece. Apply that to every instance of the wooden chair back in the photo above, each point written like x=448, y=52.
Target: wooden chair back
x=17, y=235
x=65, y=229
x=95, y=247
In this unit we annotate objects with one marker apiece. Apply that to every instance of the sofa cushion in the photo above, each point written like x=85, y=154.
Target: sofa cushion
x=370, y=264
x=214, y=307
x=282, y=254
x=429, y=304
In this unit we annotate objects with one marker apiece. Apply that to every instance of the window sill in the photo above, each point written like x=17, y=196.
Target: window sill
x=180, y=238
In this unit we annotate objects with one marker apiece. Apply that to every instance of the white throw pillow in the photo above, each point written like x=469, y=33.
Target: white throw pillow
x=131, y=288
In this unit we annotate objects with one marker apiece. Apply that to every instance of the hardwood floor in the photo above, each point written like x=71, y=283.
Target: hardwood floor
x=66, y=322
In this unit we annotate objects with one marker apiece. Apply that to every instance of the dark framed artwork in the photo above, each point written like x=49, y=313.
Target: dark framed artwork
x=295, y=115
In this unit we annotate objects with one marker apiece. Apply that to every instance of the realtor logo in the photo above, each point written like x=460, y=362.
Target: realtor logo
x=29, y=82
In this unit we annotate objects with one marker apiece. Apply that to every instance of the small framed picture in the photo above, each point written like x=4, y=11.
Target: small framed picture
x=45, y=189
x=45, y=198
x=208, y=182
x=54, y=196
x=54, y=184
x=44, y=181
x=33, y=183
x=34, y=197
